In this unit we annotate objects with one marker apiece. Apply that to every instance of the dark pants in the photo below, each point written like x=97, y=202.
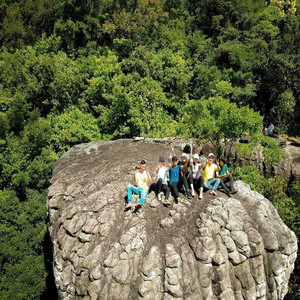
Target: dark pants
x=223, y=182
x=160, y=187
x=198, y=183
x=175, y=186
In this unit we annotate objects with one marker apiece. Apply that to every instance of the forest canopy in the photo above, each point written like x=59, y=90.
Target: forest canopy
x=77, y=71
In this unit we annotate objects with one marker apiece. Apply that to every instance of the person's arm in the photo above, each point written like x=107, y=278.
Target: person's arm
x=157, y=169
x=183, y=167
x=135, y=176
x=218, y=166
x=148, y=177
x=218, y=175
x=227, y=173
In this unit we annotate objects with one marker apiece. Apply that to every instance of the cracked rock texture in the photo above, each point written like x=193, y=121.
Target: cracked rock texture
x=215, y=248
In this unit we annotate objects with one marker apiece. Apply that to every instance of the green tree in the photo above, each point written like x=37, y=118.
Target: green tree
x=221, y=122
x=283, y=111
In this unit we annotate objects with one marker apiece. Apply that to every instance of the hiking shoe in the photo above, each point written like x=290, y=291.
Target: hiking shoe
x=189, y=196
x=127, y=207
x=138, y=206
x=233, y=192
x=167, y=203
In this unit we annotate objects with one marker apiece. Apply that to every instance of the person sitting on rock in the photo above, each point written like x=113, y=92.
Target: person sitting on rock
x=176, y=180
x=162, y=184
x=225, y=177
x=186, y=176
x=197, y=175
x=142, y=179
x=209, y=169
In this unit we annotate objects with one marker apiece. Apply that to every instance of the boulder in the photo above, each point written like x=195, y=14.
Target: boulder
x=214, y=248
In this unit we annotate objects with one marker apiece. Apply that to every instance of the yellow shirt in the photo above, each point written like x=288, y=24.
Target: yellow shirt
x=142, y=180
x=209, y=171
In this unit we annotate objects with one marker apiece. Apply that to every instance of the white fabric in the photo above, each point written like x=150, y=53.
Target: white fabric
x=162, y=173
x=197, y=170
x=142, y=180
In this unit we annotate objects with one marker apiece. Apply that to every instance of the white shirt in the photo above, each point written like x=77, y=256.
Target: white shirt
x=142, y=180
x=162, y=173
x=197, y=170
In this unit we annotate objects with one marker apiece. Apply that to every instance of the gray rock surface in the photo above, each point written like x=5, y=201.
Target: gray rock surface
x=215, y=248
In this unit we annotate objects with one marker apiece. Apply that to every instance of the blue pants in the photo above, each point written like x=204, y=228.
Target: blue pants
x=138, y=191
x=212, y=184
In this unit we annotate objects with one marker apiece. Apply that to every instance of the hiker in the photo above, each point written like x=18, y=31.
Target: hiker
x=225, y=177
x=186, y=177
x=209, y=169
x=162, y=184
x=197, y=175
x=176, y=180
x=270, y=129
x=142, y=179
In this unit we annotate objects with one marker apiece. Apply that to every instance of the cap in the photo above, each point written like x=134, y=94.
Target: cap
x=211, y=154
x=184, y=155
x=196, y=156
x=161, y=159
x=174, y=158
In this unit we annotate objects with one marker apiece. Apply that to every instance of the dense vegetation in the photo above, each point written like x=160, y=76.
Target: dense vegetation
x=75, y=71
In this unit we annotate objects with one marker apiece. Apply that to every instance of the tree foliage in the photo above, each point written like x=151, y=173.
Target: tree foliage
x=222, y=122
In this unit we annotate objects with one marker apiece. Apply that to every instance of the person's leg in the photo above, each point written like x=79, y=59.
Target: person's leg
x=132, y=189
x=159, y=185
x=153, y=187
x=232, y=191
x=199, y=183
x=224, y=186
x=158, y=188
x=212, y=185
x=191, y=183
x=166, y=191
x=143, y=194
x=174, y=189
x=186, y=186
x=196, y=183
x=208, y=184
x=216, y=182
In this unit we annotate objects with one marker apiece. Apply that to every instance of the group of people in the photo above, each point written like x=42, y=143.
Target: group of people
x=187, y=175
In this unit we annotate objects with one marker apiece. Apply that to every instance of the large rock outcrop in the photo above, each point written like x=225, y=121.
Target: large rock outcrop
x=216, y=248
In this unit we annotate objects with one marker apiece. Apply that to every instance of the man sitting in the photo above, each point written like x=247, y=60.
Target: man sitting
x=142, y=179
x=225, y=177
x=162, y=184
x=176, y=180
x=209, y=169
